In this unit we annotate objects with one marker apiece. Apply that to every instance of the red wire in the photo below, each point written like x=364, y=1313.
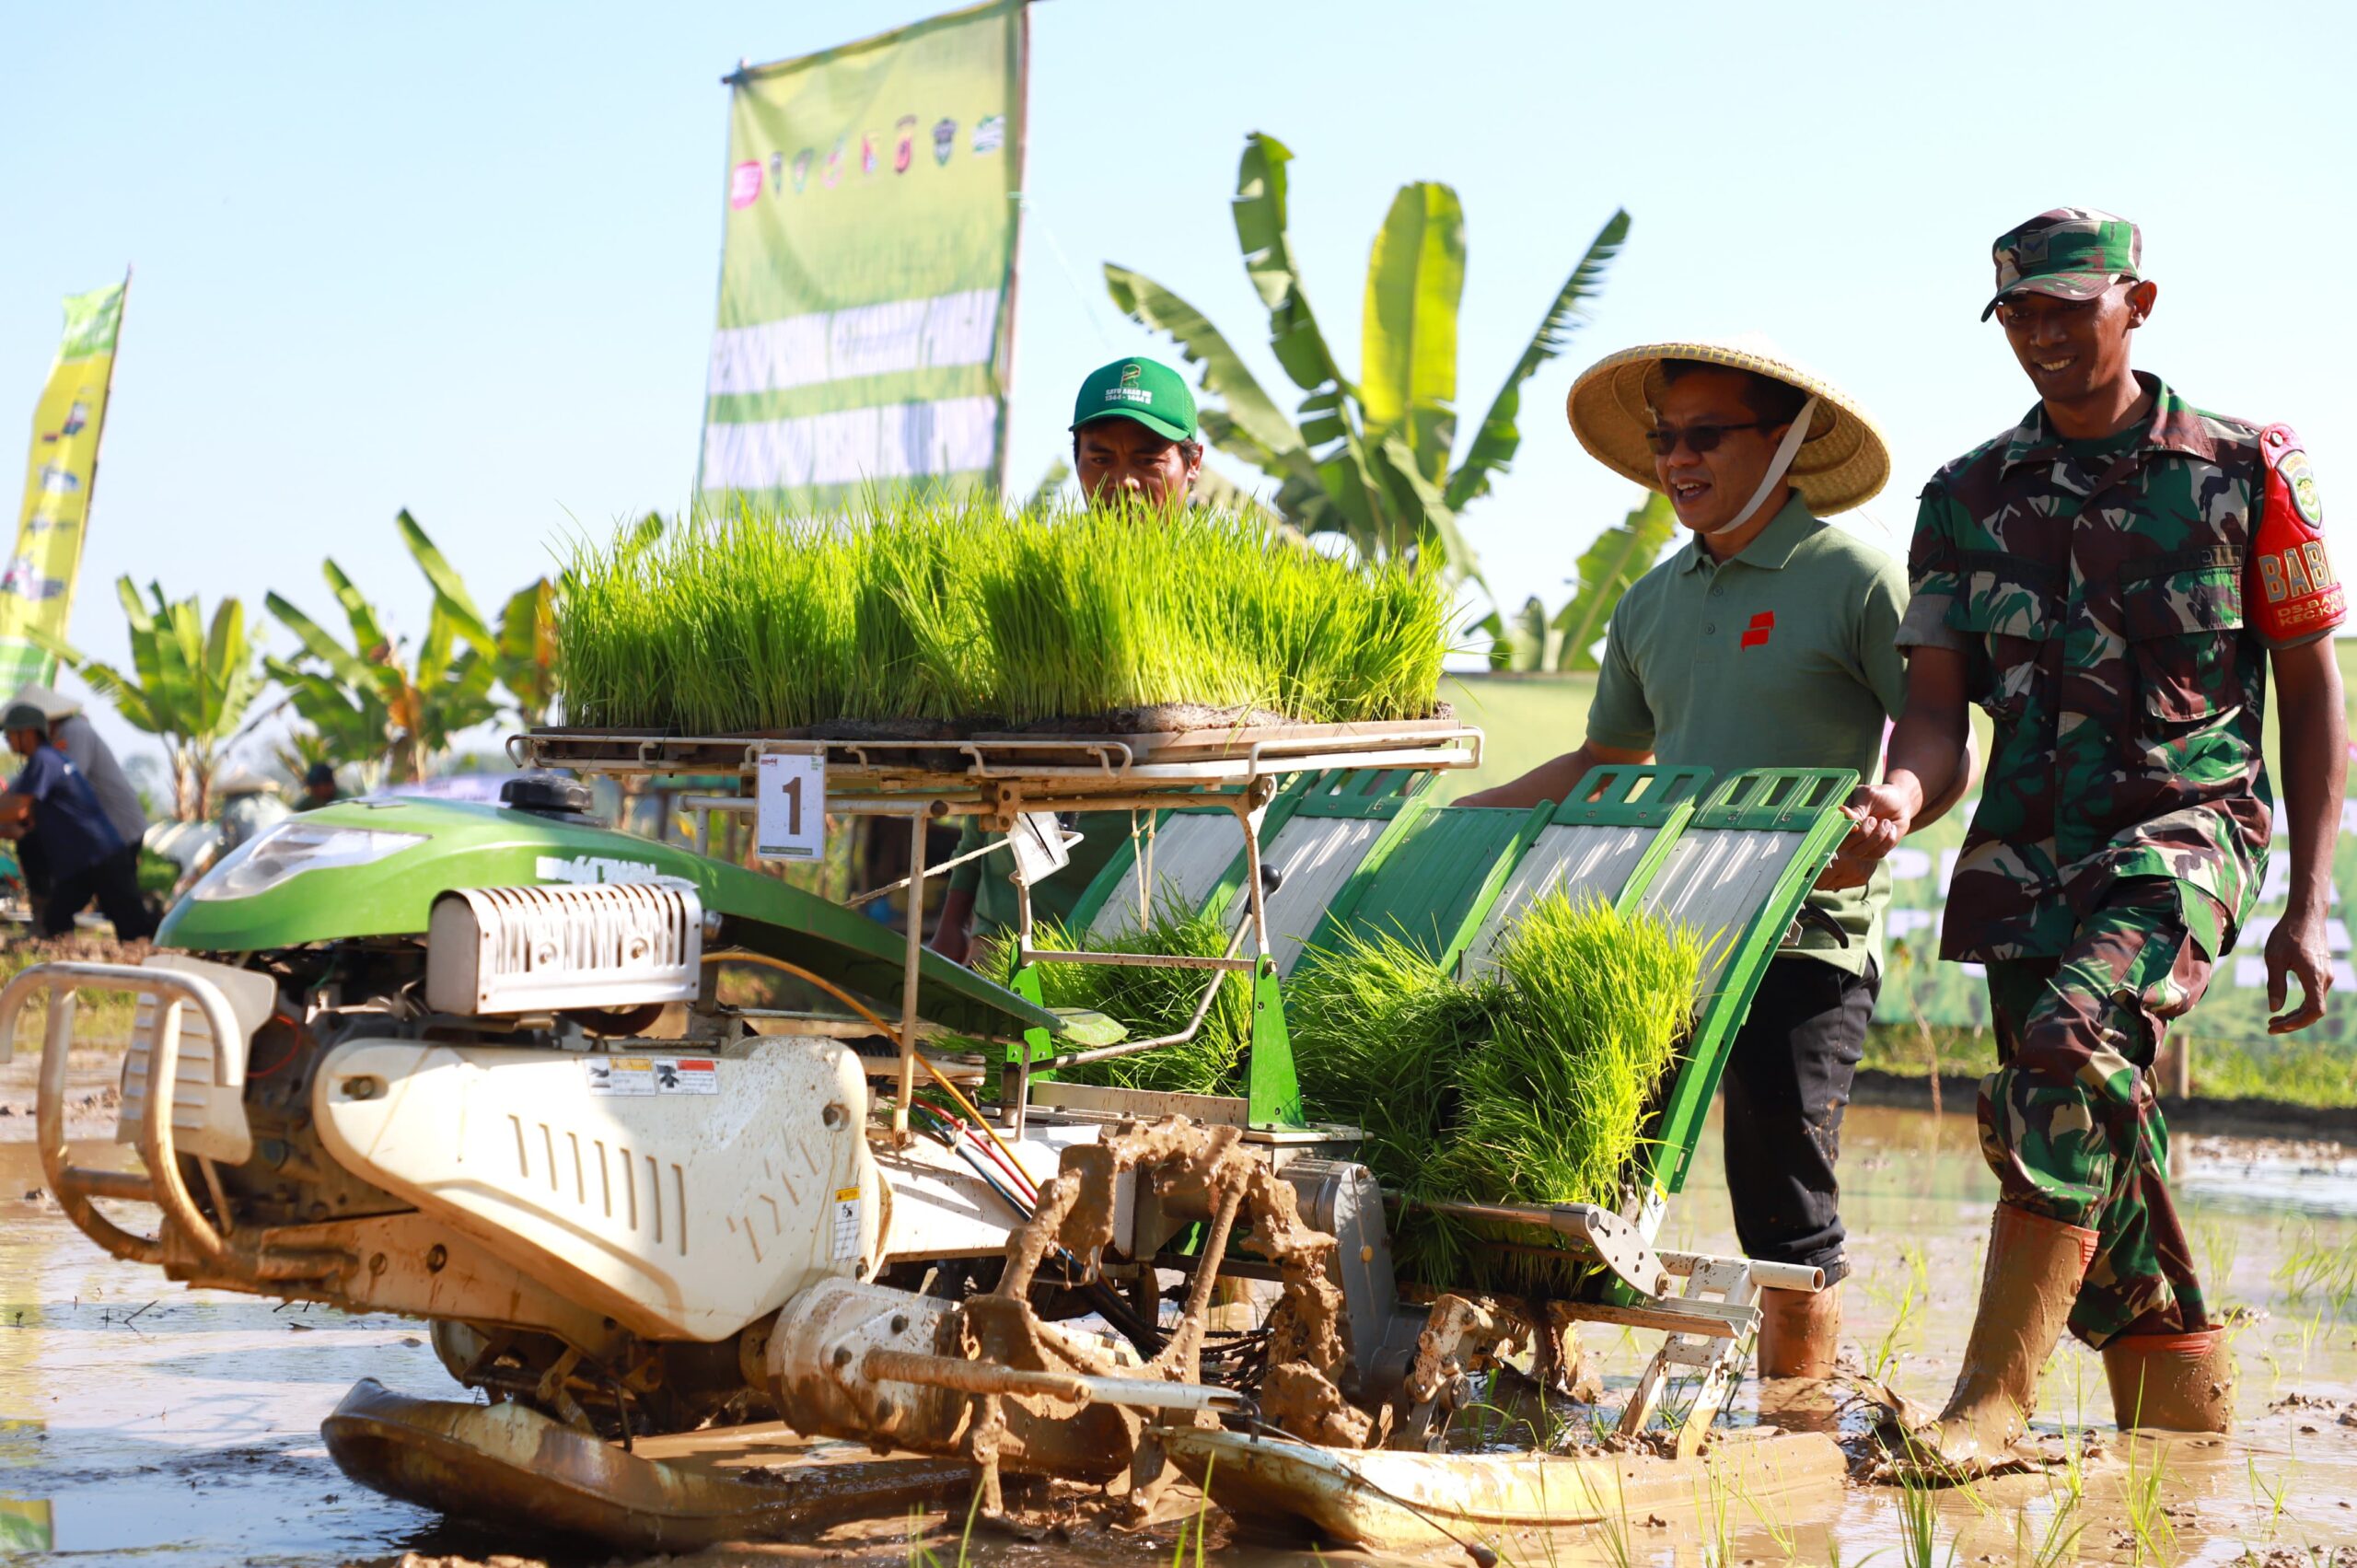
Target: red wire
x=1025, y=1187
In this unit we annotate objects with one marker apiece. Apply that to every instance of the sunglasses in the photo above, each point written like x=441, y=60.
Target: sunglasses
x=1699, y=438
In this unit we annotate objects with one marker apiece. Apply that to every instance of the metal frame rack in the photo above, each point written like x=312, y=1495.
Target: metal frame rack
x=1000, y=778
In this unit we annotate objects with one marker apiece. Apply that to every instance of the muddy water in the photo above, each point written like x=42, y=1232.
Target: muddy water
x=140, y=1422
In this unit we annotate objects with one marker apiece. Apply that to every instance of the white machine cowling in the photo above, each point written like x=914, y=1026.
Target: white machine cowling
x=506, y=950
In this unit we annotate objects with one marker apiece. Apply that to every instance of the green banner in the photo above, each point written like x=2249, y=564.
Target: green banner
x=37, y=585
x=867, y=269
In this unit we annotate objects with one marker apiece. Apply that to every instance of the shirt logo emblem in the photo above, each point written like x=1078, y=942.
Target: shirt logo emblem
x=1756, y=634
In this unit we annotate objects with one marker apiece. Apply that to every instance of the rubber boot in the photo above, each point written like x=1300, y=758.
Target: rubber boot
x=2172, y=1382
x=2027, y=1288
x=1799, y=1331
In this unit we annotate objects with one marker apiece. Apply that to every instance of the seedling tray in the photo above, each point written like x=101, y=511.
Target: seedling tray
x=1080, y=763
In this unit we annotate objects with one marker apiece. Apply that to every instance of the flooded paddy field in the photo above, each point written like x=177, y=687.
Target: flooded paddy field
x=142, y=1423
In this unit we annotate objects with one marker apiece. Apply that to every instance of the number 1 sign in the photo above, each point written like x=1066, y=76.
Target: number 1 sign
x=790, y=805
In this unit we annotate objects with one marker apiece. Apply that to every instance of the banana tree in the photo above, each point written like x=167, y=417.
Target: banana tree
x=190, y=684
x=375, y=699
x=1371, y=459
x=526, y=667
x=1530, y=640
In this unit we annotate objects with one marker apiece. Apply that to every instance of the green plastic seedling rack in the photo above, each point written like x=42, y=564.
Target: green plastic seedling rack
x=1772, y=828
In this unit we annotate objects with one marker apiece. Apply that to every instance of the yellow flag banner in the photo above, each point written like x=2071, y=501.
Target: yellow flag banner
x=37, y=585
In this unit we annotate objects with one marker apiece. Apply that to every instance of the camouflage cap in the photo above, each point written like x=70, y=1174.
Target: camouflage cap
x=2069, y=252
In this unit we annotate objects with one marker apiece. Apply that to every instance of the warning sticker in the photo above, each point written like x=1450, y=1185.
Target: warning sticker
x=619, y=1074
x=846, y=1222
x=687, y=1075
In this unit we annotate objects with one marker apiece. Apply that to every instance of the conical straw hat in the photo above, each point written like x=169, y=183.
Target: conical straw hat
x=1841, y=464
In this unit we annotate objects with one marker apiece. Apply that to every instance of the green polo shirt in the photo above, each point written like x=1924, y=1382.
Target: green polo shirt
x=1785, y=656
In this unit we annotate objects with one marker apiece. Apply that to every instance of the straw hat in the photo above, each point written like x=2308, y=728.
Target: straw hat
x=1841, y=464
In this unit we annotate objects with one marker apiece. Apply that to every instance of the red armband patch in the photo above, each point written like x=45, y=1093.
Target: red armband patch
x=2293, y=594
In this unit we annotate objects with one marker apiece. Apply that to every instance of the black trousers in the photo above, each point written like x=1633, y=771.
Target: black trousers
x=114, y=882
x=1787, y=1084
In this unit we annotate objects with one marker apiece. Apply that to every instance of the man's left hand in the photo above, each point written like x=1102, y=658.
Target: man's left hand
x=1879, y=815
x=2297, y=948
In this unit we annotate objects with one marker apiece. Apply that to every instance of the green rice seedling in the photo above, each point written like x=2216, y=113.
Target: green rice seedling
x=2149, y=1526
x=2316, y=1270
x=2220, y=1245
x=1151, y=1002
x=1612, y=1523
x=2058, y=1541
x=1380, y=1034
x=1201, y=1521
x=1919, y=1518
x=2266, y=1493
x=937, y=608
x=1551, y=1108
x=1526, y=1084
x=917, y=644
x=1771, y=1520
x=1714, y=1519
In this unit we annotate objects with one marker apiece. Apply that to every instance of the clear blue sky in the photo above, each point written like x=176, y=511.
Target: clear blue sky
x=462, y=259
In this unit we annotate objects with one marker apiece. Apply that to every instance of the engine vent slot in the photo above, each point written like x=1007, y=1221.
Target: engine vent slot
x=506, y=950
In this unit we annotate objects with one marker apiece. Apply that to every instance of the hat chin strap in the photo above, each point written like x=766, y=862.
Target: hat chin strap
x=1786, y=450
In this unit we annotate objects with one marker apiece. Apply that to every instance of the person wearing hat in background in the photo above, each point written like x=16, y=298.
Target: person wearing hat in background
x=51, y=804
x=1766, y=640
x=2110, y=580
x=71, y=731
x=1134, y=440
x=318, y=787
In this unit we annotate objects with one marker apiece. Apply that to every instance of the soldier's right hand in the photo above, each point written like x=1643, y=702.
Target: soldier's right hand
x=1880, y=816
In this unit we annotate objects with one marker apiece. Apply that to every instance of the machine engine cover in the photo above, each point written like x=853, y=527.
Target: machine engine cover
x=682, y=1196
x=506, y=950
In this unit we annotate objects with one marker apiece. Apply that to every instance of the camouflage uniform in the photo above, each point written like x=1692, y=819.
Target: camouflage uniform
x=2096, y=591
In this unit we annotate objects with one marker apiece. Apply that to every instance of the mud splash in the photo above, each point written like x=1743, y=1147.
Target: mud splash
x=182, y=1429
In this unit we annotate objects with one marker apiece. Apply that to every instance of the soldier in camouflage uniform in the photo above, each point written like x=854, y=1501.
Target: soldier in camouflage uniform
x=2092, y=578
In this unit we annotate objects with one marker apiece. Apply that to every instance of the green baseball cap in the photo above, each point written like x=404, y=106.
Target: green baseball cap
x=2069, y=252
x=1144, y=390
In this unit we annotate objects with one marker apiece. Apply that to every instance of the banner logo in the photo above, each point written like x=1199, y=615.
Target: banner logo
x=990, y=133
x=744, y=185
x=944, y=140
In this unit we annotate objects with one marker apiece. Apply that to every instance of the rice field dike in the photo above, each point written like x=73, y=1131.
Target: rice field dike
x=961, y=613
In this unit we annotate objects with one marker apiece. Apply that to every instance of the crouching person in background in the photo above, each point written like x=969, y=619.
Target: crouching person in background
x=51, y=808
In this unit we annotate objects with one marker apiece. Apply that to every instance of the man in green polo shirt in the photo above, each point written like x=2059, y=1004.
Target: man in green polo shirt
x=1767, y=640
x=1134, y=441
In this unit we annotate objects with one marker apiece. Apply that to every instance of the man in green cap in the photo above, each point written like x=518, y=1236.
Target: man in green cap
x=2112, y=579
x=1134, y=441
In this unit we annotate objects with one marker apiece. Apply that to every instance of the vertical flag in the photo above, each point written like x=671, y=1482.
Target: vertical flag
x=867, y=265
x=37, y=585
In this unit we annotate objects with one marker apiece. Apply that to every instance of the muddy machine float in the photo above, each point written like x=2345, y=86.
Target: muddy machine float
x=397, y=1060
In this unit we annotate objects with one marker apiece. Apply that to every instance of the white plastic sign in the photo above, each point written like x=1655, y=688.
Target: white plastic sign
x=1038, y=845
x=790, y=805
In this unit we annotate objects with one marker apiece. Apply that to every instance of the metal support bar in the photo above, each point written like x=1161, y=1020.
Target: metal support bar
x=1227, y=966
x=1144, y=960
x=909, y=976
x=1773, y=1276
x=990, y=1378
x=171, y=991
x=1594, y=1232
